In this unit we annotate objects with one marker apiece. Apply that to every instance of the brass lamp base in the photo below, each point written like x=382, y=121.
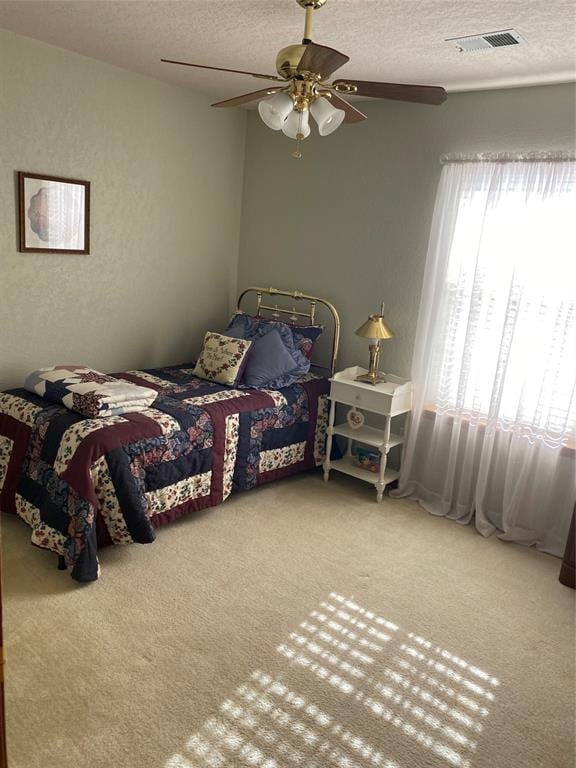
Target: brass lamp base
x=374, y=377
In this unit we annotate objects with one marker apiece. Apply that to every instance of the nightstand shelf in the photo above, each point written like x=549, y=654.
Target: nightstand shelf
x=348, y=466
x=390, y=398
x=367, y=435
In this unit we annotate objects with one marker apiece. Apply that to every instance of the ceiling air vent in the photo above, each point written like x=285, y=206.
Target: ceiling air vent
x=501, y=39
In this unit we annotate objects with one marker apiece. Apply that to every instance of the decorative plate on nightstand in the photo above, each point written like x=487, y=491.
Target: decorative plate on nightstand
x=355, y=418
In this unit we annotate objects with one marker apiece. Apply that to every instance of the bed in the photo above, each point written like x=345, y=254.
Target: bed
x=81, y=483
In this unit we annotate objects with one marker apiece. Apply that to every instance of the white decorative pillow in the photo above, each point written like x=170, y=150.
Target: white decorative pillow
x=222, y=359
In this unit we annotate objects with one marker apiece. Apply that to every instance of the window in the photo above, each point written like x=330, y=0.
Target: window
x=505, y=350
x=495, y=354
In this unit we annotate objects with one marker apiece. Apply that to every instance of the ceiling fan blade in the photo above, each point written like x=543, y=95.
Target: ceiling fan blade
x=422, y=94
x=246, y=97
x=353, y=115
x=321, y=60
x=222, y=69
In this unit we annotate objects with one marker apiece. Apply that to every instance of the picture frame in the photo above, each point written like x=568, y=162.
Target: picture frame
x=53, y=214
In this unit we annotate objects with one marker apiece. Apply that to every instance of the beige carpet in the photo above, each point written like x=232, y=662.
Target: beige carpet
x=298, y=625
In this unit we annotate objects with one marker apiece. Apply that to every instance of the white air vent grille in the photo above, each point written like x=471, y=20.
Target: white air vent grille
x=488, y=40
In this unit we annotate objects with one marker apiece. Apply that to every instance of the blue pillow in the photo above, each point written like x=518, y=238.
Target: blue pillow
x=235, y=331
x=303, y=337
x=252, y=328
x=269, y=363
x=247, y=327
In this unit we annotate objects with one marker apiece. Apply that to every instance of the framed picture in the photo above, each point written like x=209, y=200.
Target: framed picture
x=53, y=214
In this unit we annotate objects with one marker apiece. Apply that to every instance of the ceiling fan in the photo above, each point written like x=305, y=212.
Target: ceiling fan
x=303, y=71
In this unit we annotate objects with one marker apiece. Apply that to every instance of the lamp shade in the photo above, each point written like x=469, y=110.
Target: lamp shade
x=292, y=125
x=274, y=111
x=375, y=328
x=328, y=117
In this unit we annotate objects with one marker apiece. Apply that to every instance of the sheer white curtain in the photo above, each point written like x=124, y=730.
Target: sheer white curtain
x=493, y=433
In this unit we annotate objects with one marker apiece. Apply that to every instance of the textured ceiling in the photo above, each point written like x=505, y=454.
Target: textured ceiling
x=390, y=40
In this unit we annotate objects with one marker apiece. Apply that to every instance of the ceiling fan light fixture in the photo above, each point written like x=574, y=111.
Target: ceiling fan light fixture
x=274, y=111
x=327, y=117
x=301, y=86
x=296, y=125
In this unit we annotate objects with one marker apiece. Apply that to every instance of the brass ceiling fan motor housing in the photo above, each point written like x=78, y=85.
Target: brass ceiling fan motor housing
x=288, y=59
x=311, y=3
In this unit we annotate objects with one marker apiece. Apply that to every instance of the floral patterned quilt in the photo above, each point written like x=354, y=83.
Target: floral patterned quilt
x=81, y=483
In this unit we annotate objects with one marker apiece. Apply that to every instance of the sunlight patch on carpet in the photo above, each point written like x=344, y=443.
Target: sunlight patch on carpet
x=389, y=680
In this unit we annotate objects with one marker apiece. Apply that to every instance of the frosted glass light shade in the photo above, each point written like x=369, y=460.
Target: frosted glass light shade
x=328, y=117
x=275, y=110
x=292, y=124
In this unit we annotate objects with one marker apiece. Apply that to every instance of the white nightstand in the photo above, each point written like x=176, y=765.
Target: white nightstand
x=390, y=398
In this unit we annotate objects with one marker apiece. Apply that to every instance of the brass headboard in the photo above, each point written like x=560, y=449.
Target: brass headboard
x=295, y=314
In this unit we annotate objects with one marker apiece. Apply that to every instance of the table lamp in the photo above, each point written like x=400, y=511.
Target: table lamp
x=376, y=330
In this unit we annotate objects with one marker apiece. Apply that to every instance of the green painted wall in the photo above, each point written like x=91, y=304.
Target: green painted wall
x=351, y=219
x=166, y=174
